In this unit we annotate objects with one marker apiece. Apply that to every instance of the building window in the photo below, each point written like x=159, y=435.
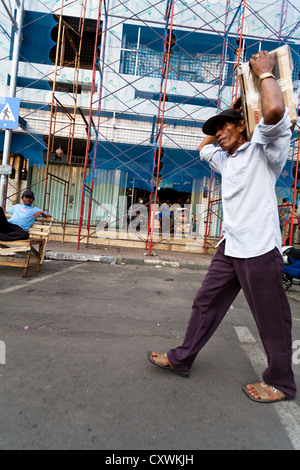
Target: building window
x=196, y=57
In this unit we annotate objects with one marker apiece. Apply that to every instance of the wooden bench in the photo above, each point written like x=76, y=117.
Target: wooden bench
x=26, y=253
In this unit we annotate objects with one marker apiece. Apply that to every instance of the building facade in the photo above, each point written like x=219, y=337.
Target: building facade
x=107, y=86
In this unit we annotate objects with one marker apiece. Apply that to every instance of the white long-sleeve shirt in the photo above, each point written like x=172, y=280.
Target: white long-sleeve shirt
x=250, y=210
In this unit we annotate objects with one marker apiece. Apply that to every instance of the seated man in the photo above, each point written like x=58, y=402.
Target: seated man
x=23, y=217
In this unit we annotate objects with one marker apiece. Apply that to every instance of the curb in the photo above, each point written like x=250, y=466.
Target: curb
x=63, y=256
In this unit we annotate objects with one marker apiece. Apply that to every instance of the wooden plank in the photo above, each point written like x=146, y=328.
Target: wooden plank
x=4, y=251
x=15, y=243
x=17, y=262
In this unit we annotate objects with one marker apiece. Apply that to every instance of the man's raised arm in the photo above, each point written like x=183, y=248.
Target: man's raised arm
x=272, y=102
x=209, y=139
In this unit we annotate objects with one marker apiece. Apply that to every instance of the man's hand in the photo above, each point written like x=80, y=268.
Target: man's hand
x=236, y=104
x=272, y=102
x=262, y=62
x=209, y=139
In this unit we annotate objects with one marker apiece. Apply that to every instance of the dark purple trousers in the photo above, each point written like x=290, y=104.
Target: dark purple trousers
x=260, y=279
x=10, y=232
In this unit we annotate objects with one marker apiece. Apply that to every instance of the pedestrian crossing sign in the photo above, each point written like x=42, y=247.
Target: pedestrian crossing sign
x=9, y=112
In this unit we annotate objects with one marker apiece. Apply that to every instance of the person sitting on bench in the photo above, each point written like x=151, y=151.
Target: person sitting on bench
x=23, y=217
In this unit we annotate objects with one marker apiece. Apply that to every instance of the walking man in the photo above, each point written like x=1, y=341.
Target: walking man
x=249, y=254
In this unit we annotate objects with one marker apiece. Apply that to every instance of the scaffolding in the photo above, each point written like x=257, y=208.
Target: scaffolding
x=57, y=108
x=169, y=39
x=61, y=117
x=135, y=129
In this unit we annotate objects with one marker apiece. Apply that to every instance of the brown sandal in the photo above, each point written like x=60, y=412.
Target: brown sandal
x=267, y=393
x=162, y=361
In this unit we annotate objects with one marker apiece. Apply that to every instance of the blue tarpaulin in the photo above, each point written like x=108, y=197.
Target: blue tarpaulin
x=37, y=42
x=31, y=147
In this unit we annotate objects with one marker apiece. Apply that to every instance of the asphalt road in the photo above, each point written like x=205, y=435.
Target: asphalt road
x=77, y=376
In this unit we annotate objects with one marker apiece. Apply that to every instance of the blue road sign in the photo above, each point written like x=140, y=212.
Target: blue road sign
x=9, y=112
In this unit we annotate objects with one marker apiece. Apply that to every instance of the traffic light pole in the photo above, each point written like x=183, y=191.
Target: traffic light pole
x=13, y=86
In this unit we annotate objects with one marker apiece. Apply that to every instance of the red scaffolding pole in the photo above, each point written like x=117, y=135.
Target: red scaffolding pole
x=90, y=125
x=160, y=118
x=160, y=129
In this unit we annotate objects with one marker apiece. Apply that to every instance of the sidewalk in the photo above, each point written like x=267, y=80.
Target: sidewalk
x=125, y=255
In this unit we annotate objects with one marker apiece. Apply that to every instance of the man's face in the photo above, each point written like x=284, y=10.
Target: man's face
x=229, y=136
x=27, y=200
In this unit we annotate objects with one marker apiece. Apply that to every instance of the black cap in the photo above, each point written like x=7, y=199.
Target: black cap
x=28, y=193
x=229, y=115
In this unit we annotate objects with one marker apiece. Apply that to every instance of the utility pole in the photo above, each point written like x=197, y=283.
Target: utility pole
x=17, y=24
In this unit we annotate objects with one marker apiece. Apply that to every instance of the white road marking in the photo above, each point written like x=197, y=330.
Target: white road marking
x=288, y=411
x=38, y=279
